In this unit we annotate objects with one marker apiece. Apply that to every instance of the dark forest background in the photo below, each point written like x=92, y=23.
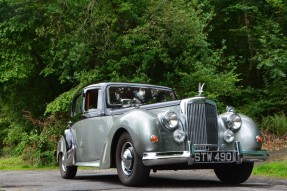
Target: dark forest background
x=49, y=49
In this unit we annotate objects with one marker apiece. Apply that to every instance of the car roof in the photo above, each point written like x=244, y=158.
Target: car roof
x=105, y=84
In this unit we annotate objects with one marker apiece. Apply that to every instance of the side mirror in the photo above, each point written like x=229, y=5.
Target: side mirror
x=126, y=103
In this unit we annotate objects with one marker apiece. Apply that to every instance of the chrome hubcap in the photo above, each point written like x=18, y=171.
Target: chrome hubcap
x=127, y=156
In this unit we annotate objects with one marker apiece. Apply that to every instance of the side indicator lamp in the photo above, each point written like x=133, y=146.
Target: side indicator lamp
x=259, y=139
x=154, y=139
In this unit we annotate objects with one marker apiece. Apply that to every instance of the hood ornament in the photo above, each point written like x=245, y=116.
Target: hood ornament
x=200, y=89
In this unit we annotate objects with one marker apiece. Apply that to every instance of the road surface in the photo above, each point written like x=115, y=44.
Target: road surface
x=87, y=180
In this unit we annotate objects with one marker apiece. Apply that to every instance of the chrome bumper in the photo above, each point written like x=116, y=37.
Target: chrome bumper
x=164, y=158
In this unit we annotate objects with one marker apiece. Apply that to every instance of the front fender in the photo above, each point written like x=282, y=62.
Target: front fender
x=246, y=135
x=140, y=124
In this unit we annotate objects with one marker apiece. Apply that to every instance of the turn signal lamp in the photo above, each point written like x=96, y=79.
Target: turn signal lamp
x=259, y=139
x=154, y=139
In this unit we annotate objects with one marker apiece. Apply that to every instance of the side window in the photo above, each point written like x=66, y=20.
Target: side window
x=91, y=100
x=77, y=105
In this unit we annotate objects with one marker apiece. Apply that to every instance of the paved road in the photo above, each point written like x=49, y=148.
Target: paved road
x=108, y=180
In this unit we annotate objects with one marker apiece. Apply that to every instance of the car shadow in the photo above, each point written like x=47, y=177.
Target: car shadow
x=158, y=181
x=193, y=182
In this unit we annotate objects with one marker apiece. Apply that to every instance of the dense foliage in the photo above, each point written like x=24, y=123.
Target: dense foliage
x=49, y=49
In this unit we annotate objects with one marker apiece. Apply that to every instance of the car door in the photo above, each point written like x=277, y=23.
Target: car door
x=91, y=129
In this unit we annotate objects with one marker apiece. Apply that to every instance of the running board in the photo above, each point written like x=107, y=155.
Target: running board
x=92, y=163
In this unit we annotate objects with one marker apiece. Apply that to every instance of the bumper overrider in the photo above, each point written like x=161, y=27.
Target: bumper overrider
x=193, y=156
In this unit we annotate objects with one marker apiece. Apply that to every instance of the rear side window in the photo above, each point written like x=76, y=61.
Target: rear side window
x=91, y=100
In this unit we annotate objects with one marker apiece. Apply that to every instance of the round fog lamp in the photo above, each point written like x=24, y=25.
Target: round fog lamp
x=228, y=136
x=179, y=135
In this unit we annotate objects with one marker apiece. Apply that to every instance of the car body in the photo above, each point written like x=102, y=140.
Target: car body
x=139, y=127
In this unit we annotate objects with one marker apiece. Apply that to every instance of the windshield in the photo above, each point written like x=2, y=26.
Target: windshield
x=128, y=96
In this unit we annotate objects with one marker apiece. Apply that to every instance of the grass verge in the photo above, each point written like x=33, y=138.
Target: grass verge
x=273, y=169
x=16, y=163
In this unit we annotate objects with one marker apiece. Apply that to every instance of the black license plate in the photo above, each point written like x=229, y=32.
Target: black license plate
x=214, y=157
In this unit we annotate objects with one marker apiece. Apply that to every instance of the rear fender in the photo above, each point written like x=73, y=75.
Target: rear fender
x=61, y=148
x=67, y=147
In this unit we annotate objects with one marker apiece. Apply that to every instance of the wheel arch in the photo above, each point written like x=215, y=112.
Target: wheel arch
x=115, y=140
x=140, y=125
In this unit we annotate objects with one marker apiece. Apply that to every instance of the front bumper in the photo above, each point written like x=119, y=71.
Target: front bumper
x=165, y=158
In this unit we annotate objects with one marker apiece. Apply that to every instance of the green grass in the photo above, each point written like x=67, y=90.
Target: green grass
x=16, y=163
x=272, y=169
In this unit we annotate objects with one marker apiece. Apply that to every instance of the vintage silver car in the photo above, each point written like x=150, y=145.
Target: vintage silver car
x=139, y=127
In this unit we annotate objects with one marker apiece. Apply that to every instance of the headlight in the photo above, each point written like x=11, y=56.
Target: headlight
x=170, y=120
x=228, y=136
x=234, y=121
x=179, y=135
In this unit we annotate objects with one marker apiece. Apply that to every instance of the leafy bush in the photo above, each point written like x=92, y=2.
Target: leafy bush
x=41, y=146
x=276, y=125
x=37, y=147
x=16, y=140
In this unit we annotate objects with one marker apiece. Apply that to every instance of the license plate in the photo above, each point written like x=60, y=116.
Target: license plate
x=214, y=157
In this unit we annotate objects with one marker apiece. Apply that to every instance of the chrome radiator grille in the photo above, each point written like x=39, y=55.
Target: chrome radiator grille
x=202, y=124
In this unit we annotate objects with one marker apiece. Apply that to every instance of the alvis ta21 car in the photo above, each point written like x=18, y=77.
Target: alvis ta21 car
x=139, y=127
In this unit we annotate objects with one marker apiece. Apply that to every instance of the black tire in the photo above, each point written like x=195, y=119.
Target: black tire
x=67, y=172
x=234, y=173
x=131, y=170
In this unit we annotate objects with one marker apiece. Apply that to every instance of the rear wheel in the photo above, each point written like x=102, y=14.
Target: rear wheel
x=234, y=173
x=131, y=170
x=67, y=172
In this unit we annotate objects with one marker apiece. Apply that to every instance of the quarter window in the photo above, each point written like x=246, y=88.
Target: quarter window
x=77, y=107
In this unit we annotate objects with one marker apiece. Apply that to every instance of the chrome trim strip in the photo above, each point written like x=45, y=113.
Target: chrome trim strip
x=92, y=163
x=162, y=158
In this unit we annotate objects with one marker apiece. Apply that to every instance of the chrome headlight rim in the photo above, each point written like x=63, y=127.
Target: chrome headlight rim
x=234, y=121
x=170, y=120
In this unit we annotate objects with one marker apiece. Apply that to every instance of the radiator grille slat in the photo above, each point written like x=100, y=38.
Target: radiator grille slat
x=202, y=123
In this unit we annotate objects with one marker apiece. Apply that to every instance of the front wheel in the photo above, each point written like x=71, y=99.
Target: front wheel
x=67, y=172
x=234, y=173
x=131, y=170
